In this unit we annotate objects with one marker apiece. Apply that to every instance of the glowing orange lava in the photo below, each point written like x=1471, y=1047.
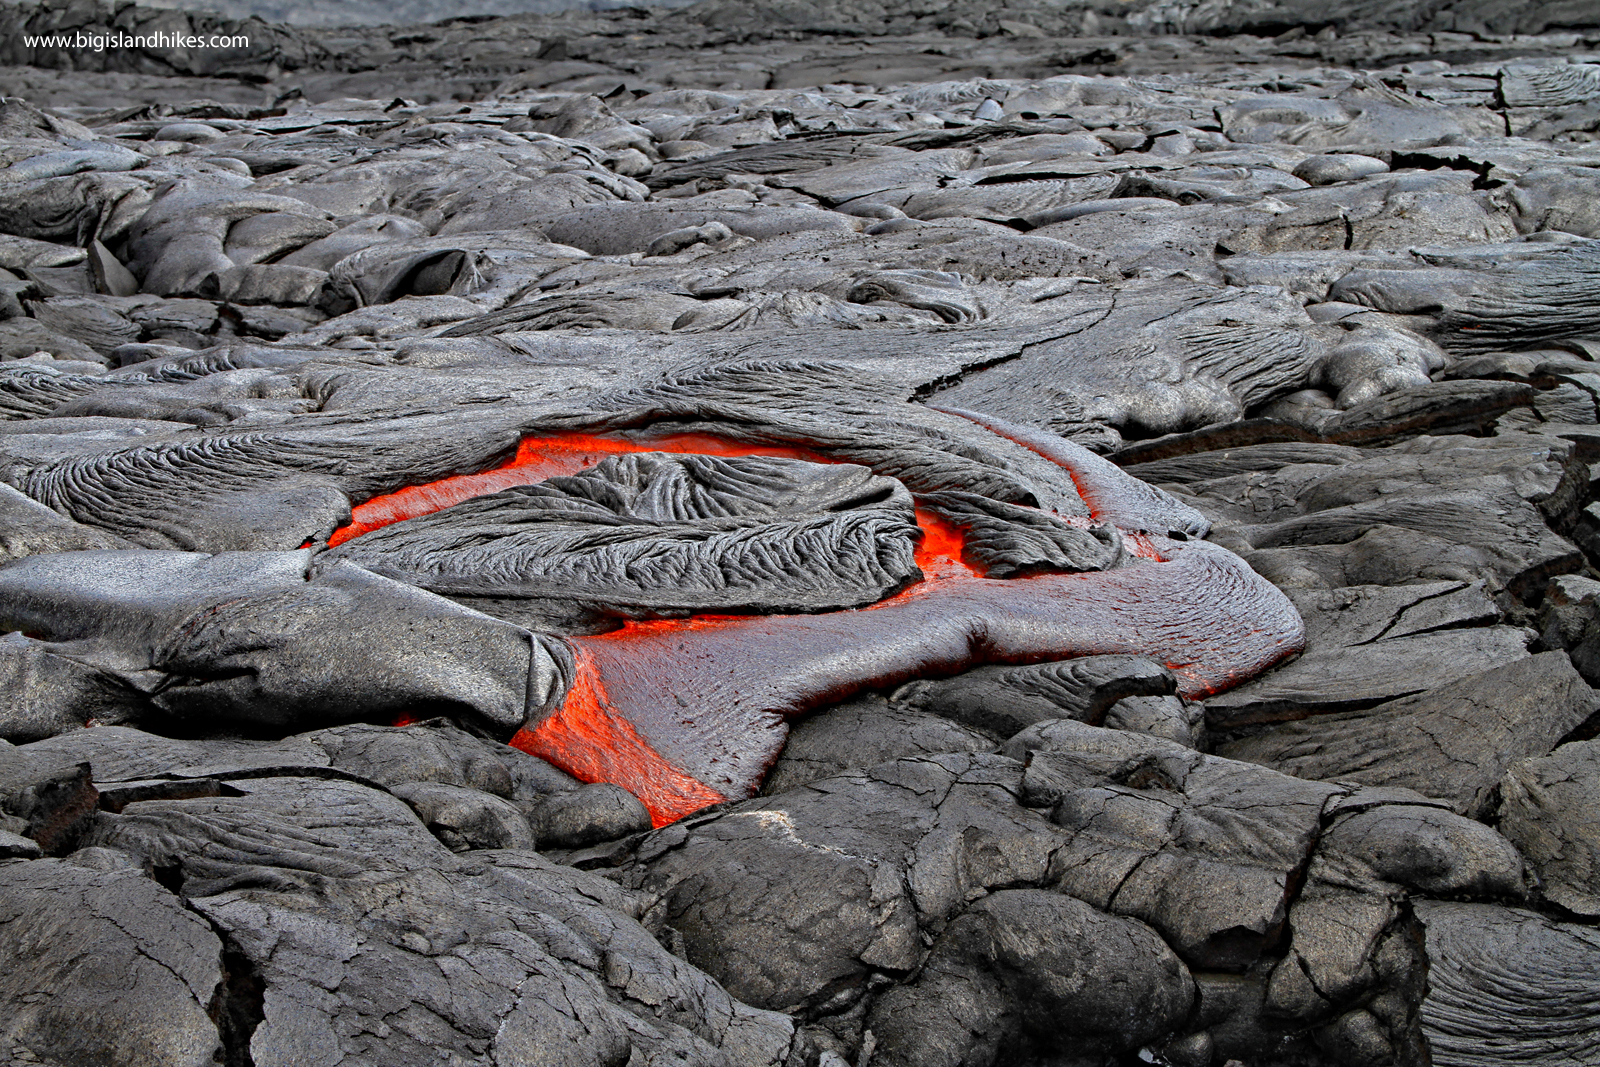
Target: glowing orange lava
x=942, y=544
x=589, y=737
x=590, y=740
x=536, y=459
x=540, y=458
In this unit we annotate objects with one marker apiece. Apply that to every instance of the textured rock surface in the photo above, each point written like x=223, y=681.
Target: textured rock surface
x=756, y=535
x=864, y=733
x=1050, y=971
x=1454, y=742
x=105, y=966
x=800, y=534
x=559, y=965
x=1205, y=850
x=1547, y=806
x=1484, y=960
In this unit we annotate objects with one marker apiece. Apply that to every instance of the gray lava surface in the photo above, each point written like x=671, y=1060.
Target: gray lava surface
x=1062, y=533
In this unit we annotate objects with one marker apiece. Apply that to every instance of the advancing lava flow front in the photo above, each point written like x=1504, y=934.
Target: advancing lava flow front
x=685, y=713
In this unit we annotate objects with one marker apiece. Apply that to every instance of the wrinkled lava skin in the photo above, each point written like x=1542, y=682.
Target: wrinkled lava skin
x=689, y=713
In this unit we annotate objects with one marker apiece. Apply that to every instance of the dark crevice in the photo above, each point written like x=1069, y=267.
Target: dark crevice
x=1587, y=730
x=956, y=377
x=238, y=1006
x=1399, y=614
x=1281, y=938
x=1039, y=175
x=170, y=878
x=1414, y=931
x=1465, y=624
x=1423, y=161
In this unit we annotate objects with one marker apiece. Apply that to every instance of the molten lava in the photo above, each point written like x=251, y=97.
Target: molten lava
x=592, y=741
x=536, y=459
x=685, y=713
x=588, y=738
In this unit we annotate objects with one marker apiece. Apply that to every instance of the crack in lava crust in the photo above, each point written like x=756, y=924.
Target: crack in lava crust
x=688, y=713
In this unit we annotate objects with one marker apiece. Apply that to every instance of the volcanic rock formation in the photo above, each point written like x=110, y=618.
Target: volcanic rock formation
x=802, y=535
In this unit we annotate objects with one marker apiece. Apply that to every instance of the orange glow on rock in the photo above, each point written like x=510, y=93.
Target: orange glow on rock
x=942, y=545
x=539, y=458
x=536, y=459
x=588, y=737
x=612, y=725
x=590, y=740
x=1140, y=545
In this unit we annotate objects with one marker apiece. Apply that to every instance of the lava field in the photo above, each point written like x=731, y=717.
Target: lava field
x=778, y=534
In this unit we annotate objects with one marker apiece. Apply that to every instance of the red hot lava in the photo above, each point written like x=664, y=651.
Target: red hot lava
x=537, y=459
x=687, y=713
